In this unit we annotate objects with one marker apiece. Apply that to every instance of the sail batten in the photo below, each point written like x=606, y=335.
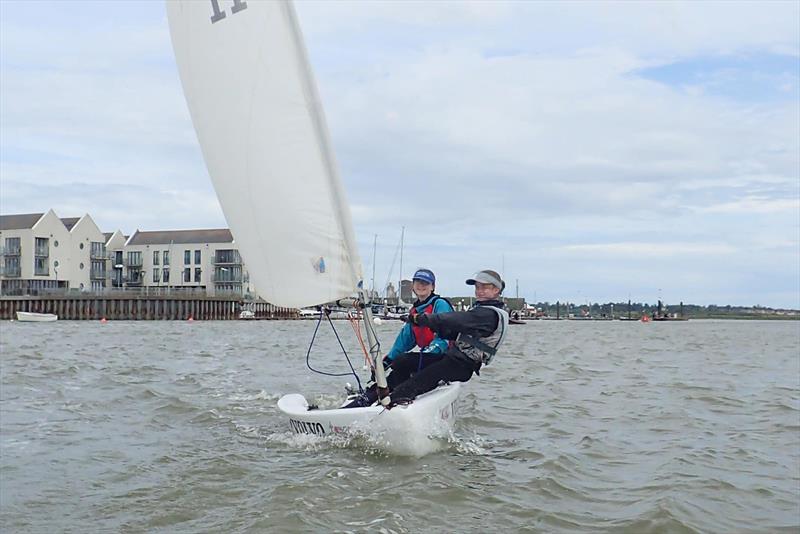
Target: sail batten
x=257, y=114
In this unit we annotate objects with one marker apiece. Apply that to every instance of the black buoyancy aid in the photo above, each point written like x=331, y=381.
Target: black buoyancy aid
x=483, y=349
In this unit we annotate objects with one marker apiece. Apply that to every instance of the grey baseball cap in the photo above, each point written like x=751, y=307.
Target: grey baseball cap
x=487, y=276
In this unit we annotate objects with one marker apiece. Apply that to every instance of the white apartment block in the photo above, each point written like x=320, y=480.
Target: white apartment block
x=203, y=260
x=41, y=252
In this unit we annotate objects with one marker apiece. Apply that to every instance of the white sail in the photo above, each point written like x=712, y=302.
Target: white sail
x=257, y=114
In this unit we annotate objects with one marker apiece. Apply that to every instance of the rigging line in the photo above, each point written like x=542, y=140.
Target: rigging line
x=357, y=330
x=308, y=354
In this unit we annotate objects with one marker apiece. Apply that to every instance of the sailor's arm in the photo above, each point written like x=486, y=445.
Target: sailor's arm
x=482, y=321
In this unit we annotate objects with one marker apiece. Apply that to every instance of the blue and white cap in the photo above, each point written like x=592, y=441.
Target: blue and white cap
x=424, y=275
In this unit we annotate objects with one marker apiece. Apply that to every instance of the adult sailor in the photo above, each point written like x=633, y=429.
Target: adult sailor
x=400, y=362
x=476, y=333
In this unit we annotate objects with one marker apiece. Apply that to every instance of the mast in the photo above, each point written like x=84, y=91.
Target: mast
x=400, y=283
x=374, y=350
x=374, y=255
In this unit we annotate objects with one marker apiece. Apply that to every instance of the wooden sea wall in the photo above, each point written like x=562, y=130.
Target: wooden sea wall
x=139, y=308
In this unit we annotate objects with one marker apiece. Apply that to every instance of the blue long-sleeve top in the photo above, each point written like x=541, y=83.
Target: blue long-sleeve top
x=405, y=339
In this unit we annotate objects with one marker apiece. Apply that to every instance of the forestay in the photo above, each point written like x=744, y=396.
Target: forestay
x=257, y=114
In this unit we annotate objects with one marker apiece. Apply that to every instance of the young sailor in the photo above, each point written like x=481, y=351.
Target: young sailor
x=476, y=335
x=399, y=360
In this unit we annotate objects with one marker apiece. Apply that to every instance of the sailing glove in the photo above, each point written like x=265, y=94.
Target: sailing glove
x=412, y=319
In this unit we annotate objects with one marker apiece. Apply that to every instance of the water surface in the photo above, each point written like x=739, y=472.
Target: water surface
x=576, y=427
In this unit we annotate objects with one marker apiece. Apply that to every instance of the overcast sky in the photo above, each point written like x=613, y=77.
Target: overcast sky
x=593, y=151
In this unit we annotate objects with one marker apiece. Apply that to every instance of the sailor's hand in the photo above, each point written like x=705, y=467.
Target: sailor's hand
x=421, y=319
x=411, y=319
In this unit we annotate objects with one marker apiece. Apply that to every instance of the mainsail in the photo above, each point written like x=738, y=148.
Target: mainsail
x=257, y=114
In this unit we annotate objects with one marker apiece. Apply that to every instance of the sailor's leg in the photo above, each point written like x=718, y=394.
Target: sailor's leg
x=402, y=367
x=448, y=369
x=367, y=399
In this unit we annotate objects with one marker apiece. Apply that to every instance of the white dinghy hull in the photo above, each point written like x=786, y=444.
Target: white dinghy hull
x=401, y=429
x=36, y=317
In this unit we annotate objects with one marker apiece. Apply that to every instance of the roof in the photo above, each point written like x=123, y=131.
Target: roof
x=19, y=221
x=107, y=235
x=69, y=222
x=165, y=237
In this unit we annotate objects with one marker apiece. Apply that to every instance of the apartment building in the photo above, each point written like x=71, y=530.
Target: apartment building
x=197, y=260
x=41, y=252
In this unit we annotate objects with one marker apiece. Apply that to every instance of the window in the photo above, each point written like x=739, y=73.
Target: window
x=156, y=275
x=165, y=274
x=227, y=256
x=98, y=250
x=98, y=269
x=135, y=258
x=187, y=257
x=41, y=267
x=42, y=248
x=187, y=274
x=155, y=258
x=118, y=257
x=55, y=263
x=12, y=246
x=166, y=257
x=197, y=272
x=81, y=266
x=55, y=243
x=12, y=266
x=197, y=257
x=81, y=247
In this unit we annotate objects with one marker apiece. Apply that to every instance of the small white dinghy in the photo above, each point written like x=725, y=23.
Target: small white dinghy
x=258, y=117
x=431, y=414
x=32, y=317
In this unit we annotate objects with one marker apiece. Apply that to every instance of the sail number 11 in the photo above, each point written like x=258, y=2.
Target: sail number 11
x=219, y=14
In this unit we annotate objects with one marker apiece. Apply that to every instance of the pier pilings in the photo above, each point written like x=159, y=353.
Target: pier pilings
x=140, y=307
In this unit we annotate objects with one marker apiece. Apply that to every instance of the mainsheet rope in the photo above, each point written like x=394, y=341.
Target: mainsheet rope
x=344, y=351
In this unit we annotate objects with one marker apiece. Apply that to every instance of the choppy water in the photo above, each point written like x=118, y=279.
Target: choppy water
x=577, y=427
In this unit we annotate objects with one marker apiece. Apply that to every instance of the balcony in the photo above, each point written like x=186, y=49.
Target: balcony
x=14, y=251
x=226, y=258
x=226, y=278
x=100, y=255
x=42, y=252
x=99, y=275
x=133, y=262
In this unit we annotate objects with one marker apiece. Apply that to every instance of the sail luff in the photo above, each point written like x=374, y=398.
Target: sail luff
x=339, y=197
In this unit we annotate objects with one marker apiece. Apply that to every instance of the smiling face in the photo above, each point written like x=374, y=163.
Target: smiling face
x=422, y=289
x=486, y=291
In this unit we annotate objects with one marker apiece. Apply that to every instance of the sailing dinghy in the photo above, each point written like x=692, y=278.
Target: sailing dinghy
x=36, y=317
x=258, y=117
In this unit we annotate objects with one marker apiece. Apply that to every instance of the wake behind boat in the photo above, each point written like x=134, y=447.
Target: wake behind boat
x=36, y=317
x=259, y=120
